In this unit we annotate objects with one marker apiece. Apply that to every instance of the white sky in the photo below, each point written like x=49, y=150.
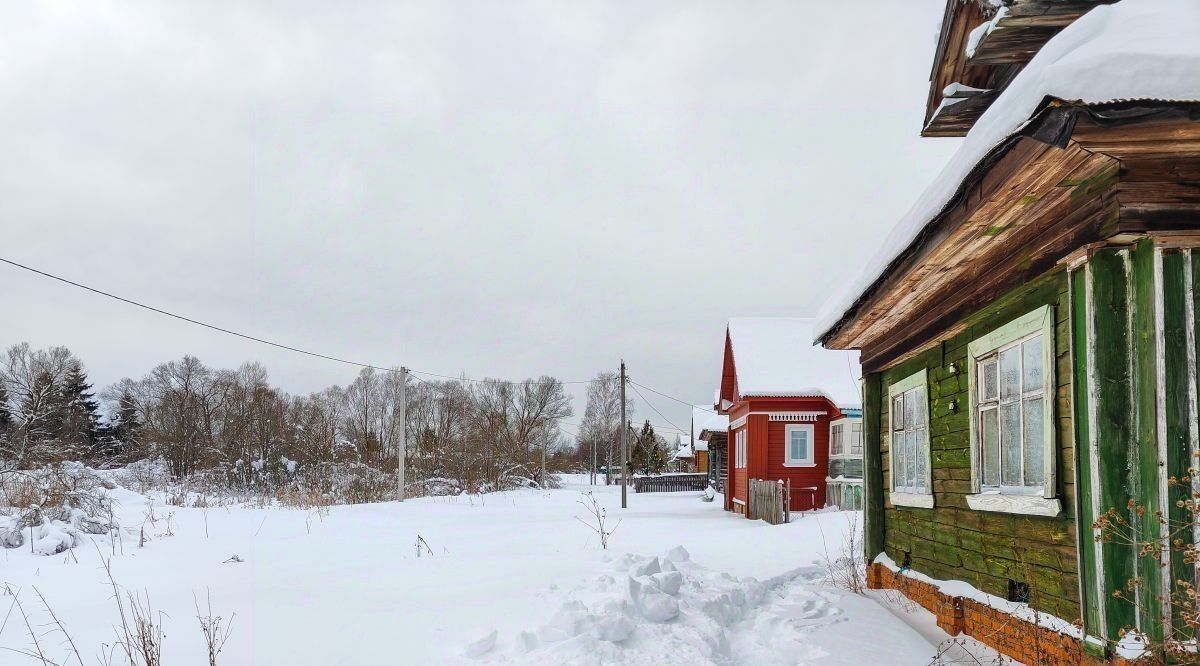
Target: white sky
x=502, y=189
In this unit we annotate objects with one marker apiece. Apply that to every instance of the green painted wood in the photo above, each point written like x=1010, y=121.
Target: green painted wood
x=987, y=549
x=1175, y=394
x=1091, y=596
x=873, y=515
x=1146, y=482
x=1114, y=427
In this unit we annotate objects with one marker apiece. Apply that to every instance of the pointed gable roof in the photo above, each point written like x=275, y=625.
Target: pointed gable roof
x=776, y=357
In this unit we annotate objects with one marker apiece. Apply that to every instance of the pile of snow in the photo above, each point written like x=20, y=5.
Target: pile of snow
x=775, y=356
x=641, y=607
x=1132, y=50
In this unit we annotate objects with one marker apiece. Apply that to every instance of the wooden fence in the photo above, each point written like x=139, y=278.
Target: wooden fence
x=769, y=501
x=670, y=483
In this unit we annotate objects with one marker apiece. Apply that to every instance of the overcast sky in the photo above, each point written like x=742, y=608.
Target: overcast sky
x=503, y=189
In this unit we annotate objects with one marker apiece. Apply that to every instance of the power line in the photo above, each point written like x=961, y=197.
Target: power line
x=651, y=405
x=671, y=397
x=258, y=339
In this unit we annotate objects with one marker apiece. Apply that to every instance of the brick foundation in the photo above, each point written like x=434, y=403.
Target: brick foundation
x=1010, y=635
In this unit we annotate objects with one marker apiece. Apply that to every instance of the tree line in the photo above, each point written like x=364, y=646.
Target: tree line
x=196, y=418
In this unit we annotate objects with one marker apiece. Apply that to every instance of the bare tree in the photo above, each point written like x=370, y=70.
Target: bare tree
x=601, y=426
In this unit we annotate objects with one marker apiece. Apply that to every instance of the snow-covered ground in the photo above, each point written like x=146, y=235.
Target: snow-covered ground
x=682, y=582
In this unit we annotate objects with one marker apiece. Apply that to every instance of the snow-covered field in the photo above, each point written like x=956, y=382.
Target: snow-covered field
x=682, y=582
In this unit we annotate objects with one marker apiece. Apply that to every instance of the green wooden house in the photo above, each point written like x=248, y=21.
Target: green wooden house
x=1028, y=331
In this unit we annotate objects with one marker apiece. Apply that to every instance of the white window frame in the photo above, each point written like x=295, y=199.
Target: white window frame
x=850, y=426
x=920, y=497
x=739, y=448
x=811, y=459
x=1030, y=500
x=837, y=439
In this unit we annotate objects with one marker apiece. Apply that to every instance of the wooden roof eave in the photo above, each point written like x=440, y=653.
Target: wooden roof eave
x=949, y=60
x=956, y=116
x=989, y=183
x=1026, y=27
x=1122, y=168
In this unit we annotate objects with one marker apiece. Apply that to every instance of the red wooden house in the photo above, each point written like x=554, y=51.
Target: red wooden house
x=780, y=394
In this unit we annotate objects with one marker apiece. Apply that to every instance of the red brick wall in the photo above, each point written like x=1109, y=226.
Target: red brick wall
x=1020, y=639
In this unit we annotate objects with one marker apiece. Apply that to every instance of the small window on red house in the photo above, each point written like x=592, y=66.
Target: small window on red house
x=798, y=445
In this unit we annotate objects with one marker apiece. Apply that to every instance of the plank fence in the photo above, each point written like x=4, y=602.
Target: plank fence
x=670, y=483
x=769, y=501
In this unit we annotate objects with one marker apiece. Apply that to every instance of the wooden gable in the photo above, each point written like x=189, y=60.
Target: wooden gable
x=728, y=376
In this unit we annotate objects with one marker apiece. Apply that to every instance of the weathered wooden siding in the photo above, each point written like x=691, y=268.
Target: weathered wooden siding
x=1135, y=331
x=952, y=541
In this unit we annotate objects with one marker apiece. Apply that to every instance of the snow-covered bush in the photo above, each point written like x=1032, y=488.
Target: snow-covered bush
x=52, y=506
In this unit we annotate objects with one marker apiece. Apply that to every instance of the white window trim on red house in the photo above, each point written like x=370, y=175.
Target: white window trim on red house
x=810, y=459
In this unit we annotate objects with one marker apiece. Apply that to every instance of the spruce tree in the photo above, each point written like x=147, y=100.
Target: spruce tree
x=125, y=430
x=78, y=416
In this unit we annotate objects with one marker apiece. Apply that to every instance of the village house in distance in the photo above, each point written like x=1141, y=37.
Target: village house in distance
x=712, y=429
x=781, y=394
x=1028, y=334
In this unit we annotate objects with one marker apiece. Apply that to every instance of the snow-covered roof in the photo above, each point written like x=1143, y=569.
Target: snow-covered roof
x=682, y=449
x=775, y=356
x=705, y=418
x=1134, y=50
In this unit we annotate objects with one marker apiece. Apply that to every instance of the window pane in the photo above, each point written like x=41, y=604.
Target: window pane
x=1010, y=444
x=910, y=457
x=1010, y=372
x=1031, y=357
x=989, y=427
x=910, y=410
x=919, y=458
x=898, y=412
x=835, y=440
x=920, y=419
x=897, y=445
x=1035, y=439
x=988, y=379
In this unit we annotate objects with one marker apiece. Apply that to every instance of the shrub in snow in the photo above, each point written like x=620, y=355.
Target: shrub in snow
x=54, y=537
x=11, y=536
x=69, y=484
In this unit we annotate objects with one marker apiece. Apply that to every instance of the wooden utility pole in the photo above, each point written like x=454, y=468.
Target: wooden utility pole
x=403, y=433
x=544, y=439
x=624, y=443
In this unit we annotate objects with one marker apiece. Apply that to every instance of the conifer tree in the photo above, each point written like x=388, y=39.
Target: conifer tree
x=124, y=433
x=78, y=416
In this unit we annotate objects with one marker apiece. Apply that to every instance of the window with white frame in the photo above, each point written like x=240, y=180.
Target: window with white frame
x=856, y=438
x=798, y=445
x=1012, y=375
x=835, y=440
x=908, y=442
x=739, y=448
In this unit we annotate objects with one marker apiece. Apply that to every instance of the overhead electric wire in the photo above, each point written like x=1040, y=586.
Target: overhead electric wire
x=671, y=397
x=651, y=406
x=259, y=340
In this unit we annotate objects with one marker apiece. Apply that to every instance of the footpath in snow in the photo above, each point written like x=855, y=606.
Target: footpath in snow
x=505, y=578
